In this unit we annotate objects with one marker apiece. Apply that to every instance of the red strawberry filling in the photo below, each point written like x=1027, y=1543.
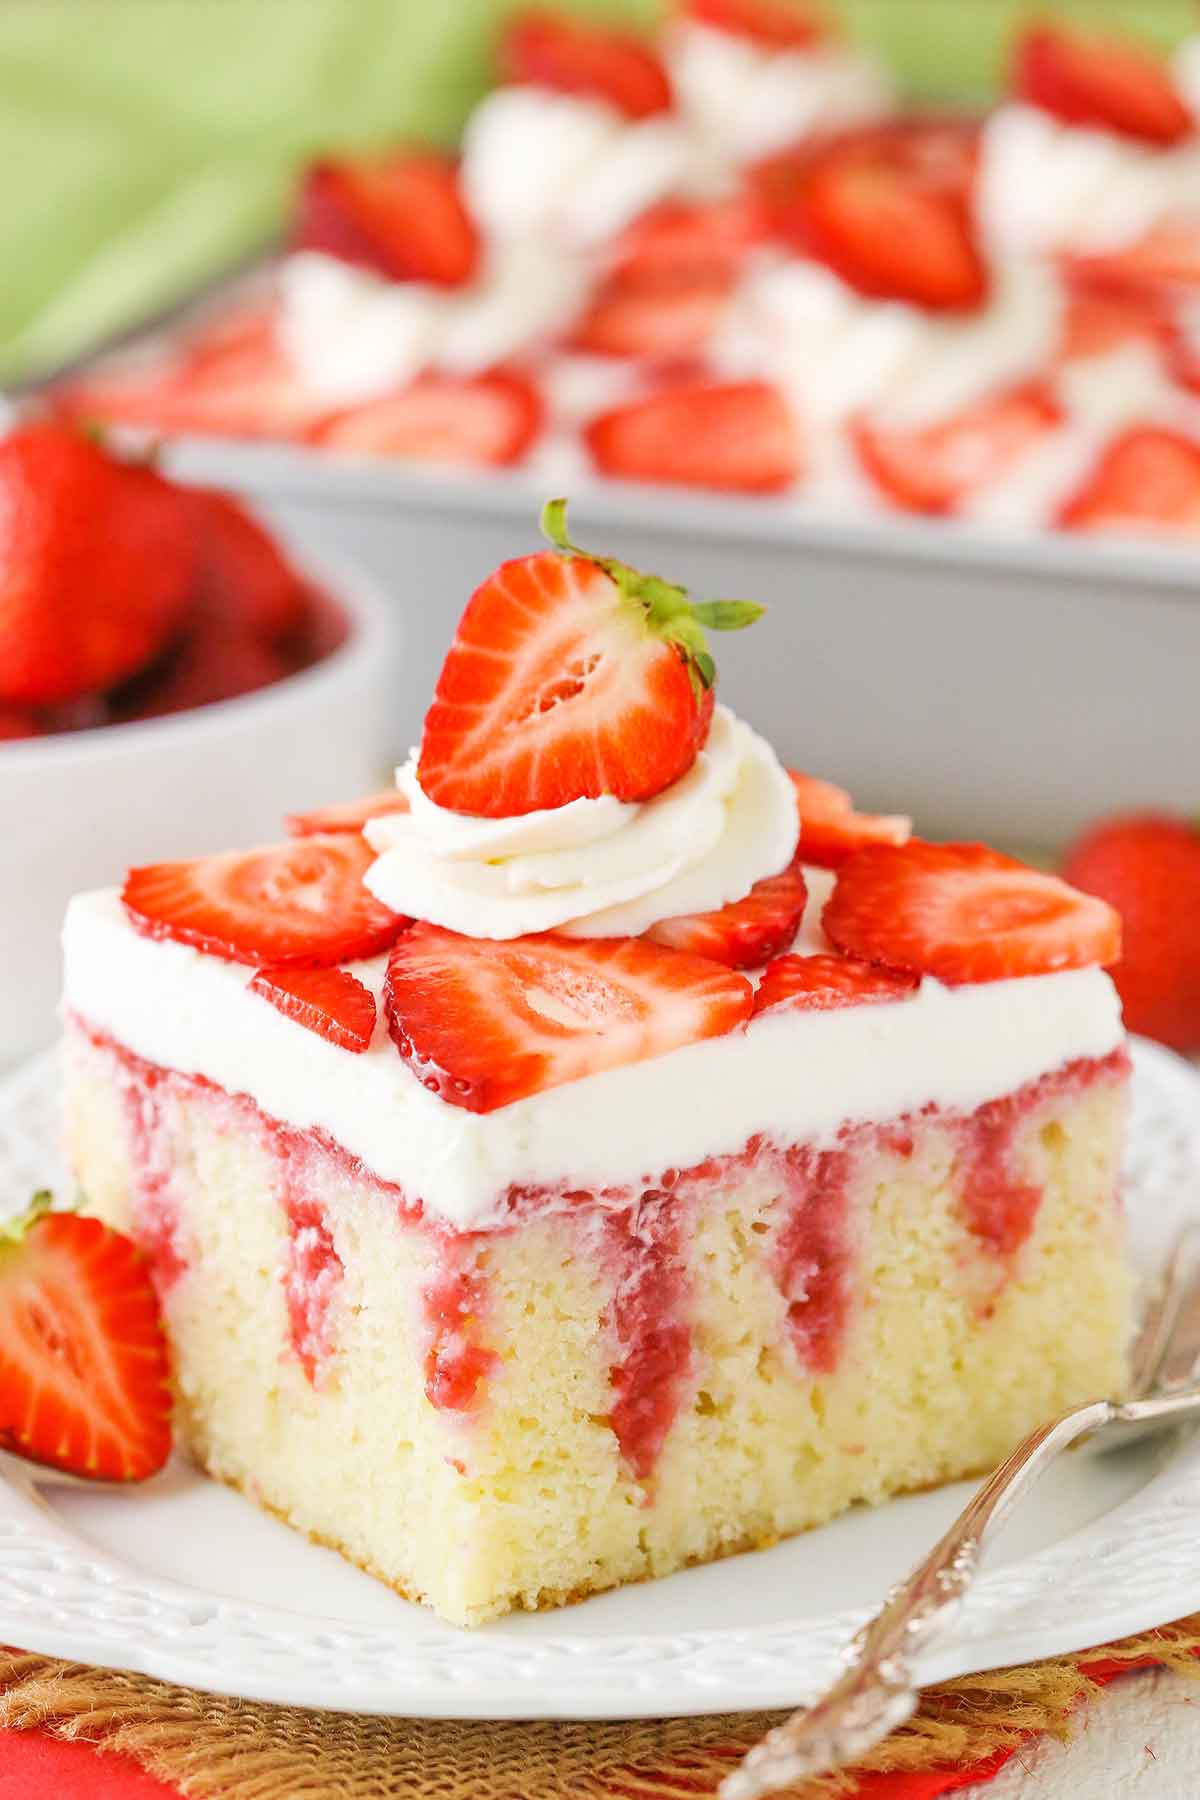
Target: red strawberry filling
x=314, y=1271
x=640, y=1237
x=457, y=1362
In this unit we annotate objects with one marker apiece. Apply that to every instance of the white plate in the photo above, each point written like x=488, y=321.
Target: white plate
x=185, y=1580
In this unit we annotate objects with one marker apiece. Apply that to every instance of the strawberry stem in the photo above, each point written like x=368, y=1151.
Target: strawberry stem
x=14, y=1230
x=669, y=611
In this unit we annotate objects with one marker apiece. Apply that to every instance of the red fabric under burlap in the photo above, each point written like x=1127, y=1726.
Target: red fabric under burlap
x=212, y=1748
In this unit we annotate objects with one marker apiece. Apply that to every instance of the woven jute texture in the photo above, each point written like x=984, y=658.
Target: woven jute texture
x=218, y=1749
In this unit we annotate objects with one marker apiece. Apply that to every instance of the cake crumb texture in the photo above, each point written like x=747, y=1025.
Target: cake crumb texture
x=624, y=1385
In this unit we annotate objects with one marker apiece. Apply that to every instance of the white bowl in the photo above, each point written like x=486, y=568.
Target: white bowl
x=78, y=809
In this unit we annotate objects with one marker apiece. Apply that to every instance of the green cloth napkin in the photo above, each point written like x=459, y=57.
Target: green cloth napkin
x=149, y=144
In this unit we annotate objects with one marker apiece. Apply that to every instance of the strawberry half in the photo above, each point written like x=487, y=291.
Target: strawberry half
x=1147, y=865
x=663, y=316
x=746, y=933
x=352, y=815
x=740, y=438
x=330, y=1002
x=231, y=380
x=572, y=56
x=1090, y=78
x=1163, y=262
x=97, y=565
x=935, y=468
x=471, y=420
x=888, y=208
x=822, y=983
x=83, y=1358
x=1097, y=320
x=301, y=904
x=571, y=676
x=247, y=582
x=698, y=238
x=772, y=24
x=1148, y=476
x=402, y=215
x=484, y=1024
x=831, y=830
x=964, y=913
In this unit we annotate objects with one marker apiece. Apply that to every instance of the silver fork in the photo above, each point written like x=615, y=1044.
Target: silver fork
x=877, y=1691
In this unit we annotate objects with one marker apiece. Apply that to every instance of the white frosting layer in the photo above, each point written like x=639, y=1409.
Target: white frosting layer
x=837, y=353
x=571, y=171
x=744, y=100
x=791, y=1076
x=1046, y=186
x=351, y=335
x=594, y=868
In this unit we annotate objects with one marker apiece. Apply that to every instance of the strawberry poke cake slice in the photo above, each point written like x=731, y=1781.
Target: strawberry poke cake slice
x=609, y=1150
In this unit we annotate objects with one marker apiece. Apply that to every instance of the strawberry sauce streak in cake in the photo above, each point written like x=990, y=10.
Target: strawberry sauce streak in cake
x=155, y=1210
x=456, y=1362
x=314, y=1269
x=638, y=1237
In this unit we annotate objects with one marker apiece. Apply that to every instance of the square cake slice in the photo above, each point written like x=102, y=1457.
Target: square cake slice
x=609, y=1152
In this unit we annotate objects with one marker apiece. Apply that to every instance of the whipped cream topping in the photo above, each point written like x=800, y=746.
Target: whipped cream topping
x=744, y=100
x=1047, y=186
x=836, y=353
x=789, y=1075
x=350, y=334
x=570, y=170
x=594, y=868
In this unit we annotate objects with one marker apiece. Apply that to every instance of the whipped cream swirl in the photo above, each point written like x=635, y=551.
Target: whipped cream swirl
x=594, y=868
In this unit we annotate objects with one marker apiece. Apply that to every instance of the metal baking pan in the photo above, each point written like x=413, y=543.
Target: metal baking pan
x=999, y=686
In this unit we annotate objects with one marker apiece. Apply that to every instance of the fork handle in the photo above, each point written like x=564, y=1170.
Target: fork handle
x=877, y=1692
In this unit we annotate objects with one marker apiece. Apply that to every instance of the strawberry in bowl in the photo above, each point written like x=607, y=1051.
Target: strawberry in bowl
x=169, y=672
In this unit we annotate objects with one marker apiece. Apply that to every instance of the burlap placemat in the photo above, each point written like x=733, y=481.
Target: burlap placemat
x=218, y=1749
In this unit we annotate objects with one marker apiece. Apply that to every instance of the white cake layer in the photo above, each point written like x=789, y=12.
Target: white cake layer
x=790, y=1075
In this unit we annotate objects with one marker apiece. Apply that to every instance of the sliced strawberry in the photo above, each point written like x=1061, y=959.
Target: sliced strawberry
x=350, y=816
x=964, y=913
x=330, y=1002
x=84, y=1371
x=739, y=437
x=1149, y=476
x=301, y=904
x=17, y=722
x=402, y=215
x=888, y=207
x=483, y=1024
x=699, y=238
x=773, y=24
x=935, y=468
x=746, y=933
x=1164, y=262
x=478, y=420
x=667, y=317
x=1091, y=78
x=570, y=677
x=574, y=56
x=821, y=983
x=831, y=830
x=230, y=381
x=97, y=565
x=248, y=582
x=1096, y=321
